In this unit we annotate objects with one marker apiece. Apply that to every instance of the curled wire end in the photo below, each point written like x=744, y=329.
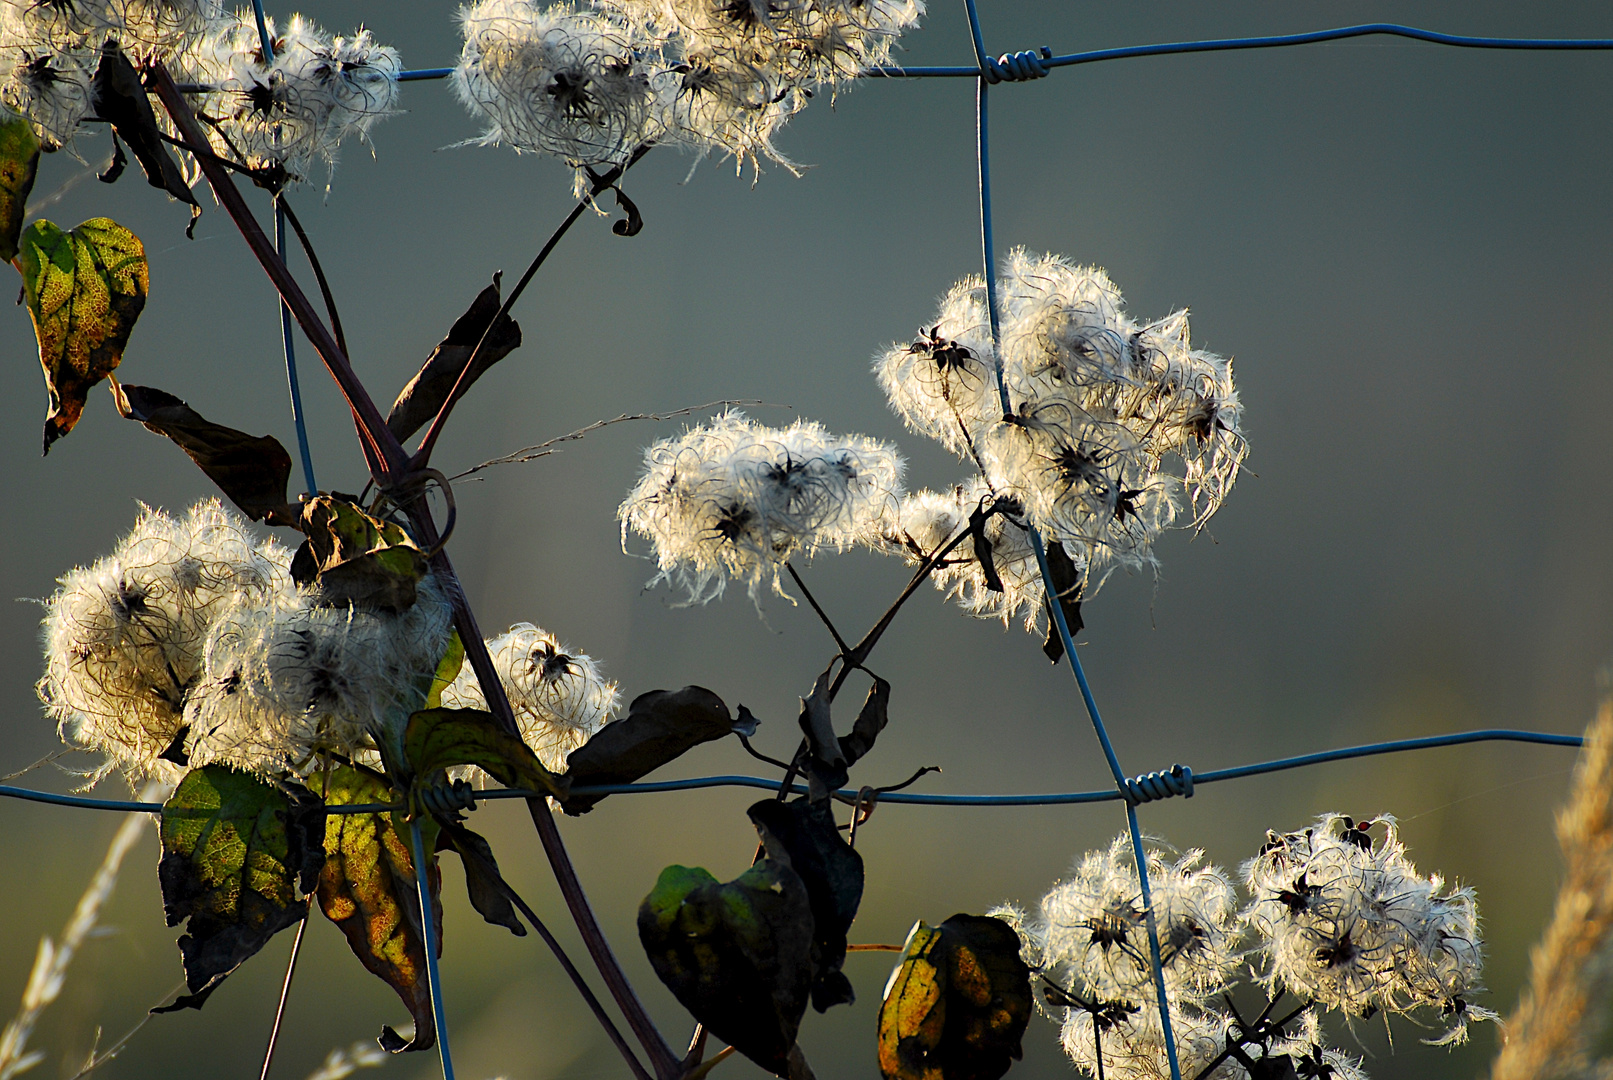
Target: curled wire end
x=1177, y=780
x=1018, y=67
x=448, y=798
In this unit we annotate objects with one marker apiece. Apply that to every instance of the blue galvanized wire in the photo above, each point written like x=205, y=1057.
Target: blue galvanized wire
x=428, y=932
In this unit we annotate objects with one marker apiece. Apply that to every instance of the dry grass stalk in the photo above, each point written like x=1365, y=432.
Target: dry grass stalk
x=340, y=1063
x=1565, y=1006
x=50, y=966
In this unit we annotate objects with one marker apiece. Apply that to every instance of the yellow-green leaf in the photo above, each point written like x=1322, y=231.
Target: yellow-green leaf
x=235, y=851
x=957, y=1005
x=368, y=889
x=19, y=163
x=84, y=290
x=447, y=670
x=437, y=739
x=355, y=558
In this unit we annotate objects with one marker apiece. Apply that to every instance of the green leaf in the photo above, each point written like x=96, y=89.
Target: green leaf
x=19, y=163
x=738, y=956
x=251, y=471
x=659, y=726
x=426, y=392
x=453, y=659
x=235, y=852
x=437, y=739
x=354, y=558
x=957, y=1006
x=802, y=835
x=84, y=290
x=368, y=889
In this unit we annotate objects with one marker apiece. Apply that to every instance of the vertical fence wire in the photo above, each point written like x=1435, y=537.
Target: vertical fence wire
x=1055, y=611
x=428, y=931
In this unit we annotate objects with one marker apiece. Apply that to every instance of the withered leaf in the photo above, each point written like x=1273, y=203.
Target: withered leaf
x=251, y=470
x=437, y=739
x=957, y=1006
x=120, y=99
x=368, y=889
x=355, y=558
x=738, y=956
x=19, y=163
x=481, y=877
x=871, y=720
x=1069, y=583
x=425, y=393
x=802, y=835
x=84, y=291
x=659, y=726
x=235, y=853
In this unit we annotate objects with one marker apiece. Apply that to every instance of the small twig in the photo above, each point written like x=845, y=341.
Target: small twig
x=697, y=1047
x=759, y=756
x=873, y=948
x=718, y=1058
x=98, y=1058
x=46, y=760
x=544, y=449
x=423, y=454
x=285, y=990
x=795, y=577
x=319, y=275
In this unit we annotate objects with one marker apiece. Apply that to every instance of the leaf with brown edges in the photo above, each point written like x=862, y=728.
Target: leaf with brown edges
x=368, y=889
x=84, y=290
x=251, y=470
x=19, y=163
x=438, y=739
x=354, y=558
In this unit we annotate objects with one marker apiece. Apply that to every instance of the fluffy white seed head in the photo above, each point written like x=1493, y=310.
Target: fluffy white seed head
x=297, y=110
x=124, y=638
x=49, y=84
x=943, y=383
x=573, y=81
x=1131, y=1041
x=1091, y=930
x=284, y=681
x=145, y=29
x=736, y=499
x=1347, y=921
x=560, y=697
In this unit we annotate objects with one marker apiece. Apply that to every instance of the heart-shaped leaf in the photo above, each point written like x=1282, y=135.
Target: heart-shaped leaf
x=19, y=163
x=235, y=853
x=251, y=470
x=659, y=726
x=957, y=1006
x=84, y=291
x=738, y=956
x=355, y=558
x=368, y=889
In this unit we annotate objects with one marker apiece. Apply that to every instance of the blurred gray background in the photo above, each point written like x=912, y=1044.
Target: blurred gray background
x=1404, y=247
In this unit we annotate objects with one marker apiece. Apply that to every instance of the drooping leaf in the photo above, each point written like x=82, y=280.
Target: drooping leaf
x=957, y=1005
x=251, y=470
x=738, y=956
x=829, y=757
x=481, y=877
x=802, y=835
x=235, y=853
x=425, y=393
x=355, y=558
x=368, y=889
x=659, y=726
x=19, y=163
x=84, y=291
x=120, y=99
x=437, y=739
x=1068, y=582
x=871, y=720
x=453, y=658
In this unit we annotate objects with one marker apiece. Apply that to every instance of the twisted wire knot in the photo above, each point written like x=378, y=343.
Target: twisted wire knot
x=1177, y=780
x=1017, y=67
x=448, y=798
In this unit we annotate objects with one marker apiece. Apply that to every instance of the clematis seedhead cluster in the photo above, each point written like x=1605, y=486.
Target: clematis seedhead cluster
x=736, y=499
x=1108, y=431
x=1335, y=920
x=560, y=696
x=593, y=82
x=191, y=644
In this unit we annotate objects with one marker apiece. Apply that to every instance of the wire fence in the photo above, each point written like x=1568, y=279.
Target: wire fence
x=1178, y=780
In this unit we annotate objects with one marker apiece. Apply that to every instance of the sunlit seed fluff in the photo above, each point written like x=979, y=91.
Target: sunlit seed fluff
x=296, y=111
x=283, y=681
x=1348, y=922
x=560, y=697
x=573, y=81
x=145, y=29
x=926, y=521
x=48, y=84
x=735, y=499
x=124, y=638
x=942, y=383
x=1092, y=928
x=1132, y=1041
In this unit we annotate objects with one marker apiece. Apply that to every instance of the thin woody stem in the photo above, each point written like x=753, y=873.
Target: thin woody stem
x=285, y=992
x=388, y=463
x=795, y=577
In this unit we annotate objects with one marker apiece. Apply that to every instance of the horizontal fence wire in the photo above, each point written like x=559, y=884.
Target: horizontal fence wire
x=1312, y=37
x=913, y=798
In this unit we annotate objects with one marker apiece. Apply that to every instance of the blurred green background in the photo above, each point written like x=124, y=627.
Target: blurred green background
x=1405, y=247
